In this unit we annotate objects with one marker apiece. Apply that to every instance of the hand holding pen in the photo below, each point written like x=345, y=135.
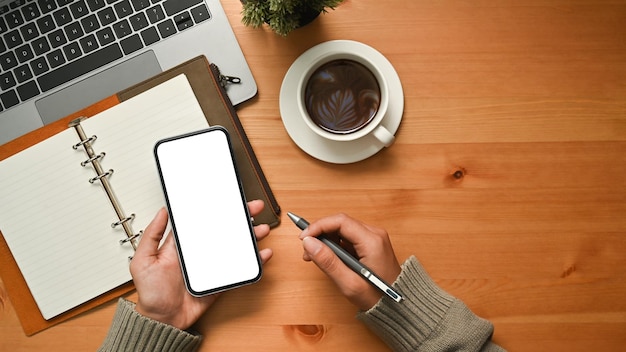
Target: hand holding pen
x=369, y=245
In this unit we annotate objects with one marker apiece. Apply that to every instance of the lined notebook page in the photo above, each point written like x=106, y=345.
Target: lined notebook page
x=58, y=225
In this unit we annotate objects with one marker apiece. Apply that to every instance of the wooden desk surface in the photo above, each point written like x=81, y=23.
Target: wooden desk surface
x=526, y=99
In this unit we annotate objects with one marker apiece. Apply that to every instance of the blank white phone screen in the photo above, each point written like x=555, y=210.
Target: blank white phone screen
x=210, y=221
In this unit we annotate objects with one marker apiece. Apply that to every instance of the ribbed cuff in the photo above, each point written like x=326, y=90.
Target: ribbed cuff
x=428, y=319
x=131, y=331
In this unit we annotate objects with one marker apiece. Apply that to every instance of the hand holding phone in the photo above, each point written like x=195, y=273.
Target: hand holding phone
x=212, y=229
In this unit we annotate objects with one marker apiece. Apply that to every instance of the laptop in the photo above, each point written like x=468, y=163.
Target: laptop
x=59, y=56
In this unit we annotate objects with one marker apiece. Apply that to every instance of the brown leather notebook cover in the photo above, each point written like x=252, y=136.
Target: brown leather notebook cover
x=204, y=80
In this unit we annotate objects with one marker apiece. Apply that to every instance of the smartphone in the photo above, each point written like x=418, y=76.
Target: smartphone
x=208, y=212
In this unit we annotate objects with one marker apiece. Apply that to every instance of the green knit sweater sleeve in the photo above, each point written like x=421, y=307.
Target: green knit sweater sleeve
x=428, y=319
x=131, y=331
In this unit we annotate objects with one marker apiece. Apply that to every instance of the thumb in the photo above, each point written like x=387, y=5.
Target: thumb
x=325, y=259
x=149, y=245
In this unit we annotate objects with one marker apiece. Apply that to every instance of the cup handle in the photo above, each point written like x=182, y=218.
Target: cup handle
x=383, y=135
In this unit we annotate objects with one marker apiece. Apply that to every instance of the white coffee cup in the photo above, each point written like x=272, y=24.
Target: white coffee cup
x=356, y=65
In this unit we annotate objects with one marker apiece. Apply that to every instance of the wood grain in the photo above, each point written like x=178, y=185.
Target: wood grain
x=507, y=179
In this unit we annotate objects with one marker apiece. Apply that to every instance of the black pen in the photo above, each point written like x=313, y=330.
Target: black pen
x=351, y=262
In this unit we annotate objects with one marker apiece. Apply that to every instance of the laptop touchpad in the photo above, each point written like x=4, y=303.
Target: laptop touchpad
x=97, y=87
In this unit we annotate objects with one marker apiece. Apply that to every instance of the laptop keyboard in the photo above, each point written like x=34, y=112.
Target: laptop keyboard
x=46, y=43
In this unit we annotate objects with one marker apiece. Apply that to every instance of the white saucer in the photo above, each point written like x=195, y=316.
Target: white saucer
x=319, y=147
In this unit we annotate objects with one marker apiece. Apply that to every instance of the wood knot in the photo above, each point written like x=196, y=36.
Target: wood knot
x=459, y=174
x=310, y=333
x=568, y=271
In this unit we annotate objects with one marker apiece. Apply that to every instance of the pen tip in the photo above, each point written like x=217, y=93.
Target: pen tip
x=300, y=222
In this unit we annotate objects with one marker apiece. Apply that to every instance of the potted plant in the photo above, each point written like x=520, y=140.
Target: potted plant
x=283, y=16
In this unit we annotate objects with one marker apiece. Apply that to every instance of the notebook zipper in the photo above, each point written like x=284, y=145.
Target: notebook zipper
x=223, y=79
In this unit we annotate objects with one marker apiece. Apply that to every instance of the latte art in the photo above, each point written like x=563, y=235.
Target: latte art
x=342, y=96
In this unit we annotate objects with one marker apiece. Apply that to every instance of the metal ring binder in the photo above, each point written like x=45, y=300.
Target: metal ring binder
x=99, y=156
x=128, y=218
x=131, y=238
x=94, y=159
x=85, y=141
x=94, y=179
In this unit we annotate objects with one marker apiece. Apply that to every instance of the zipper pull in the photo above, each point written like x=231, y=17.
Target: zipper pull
x=228, y=79
x=222, y=79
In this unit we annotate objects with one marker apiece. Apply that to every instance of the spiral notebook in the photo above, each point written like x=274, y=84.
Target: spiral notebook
x=73, y=205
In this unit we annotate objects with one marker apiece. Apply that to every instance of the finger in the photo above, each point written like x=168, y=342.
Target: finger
x=348, y=228
x=168, y=241
x=344, y=244
x=306, y=257
x=152, y=235
x=261, y=231
x=327, y=260
x=265, y=254
x=255, y=207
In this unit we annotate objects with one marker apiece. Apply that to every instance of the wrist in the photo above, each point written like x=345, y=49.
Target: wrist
x=130, y=328
x=157, y=316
